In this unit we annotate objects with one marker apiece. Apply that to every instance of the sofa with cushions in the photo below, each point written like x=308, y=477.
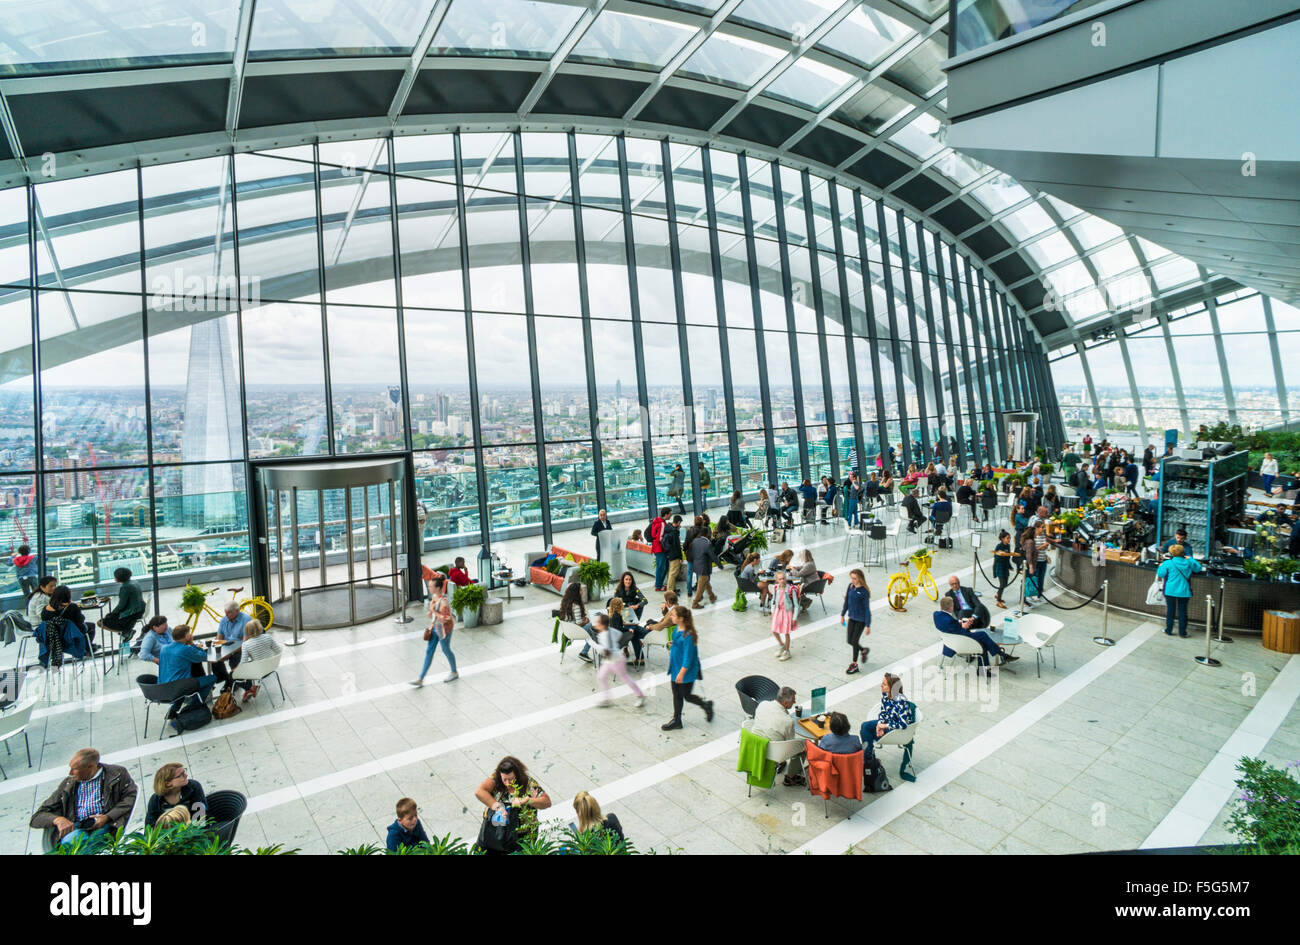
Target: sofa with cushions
x=567, y=562
x=640, y=557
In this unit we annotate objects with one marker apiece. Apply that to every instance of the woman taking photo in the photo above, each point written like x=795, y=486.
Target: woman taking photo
x=1177, y=574
x=511, y=787
x=439, y=632
x=855, y=615
x=684, y=668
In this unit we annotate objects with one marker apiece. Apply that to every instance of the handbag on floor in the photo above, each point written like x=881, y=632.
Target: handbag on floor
x=225, y=706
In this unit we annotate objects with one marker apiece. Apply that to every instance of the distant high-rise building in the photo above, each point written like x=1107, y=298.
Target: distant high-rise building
x=212, y=426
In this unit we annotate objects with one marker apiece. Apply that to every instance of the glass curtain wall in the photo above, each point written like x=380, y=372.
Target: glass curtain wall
x=550, y=323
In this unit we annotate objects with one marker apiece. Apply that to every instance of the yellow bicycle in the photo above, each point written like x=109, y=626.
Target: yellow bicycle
x=902, y=588
x=256, y=607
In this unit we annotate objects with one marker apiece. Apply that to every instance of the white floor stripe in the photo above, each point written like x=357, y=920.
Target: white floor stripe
x=882, y=810
x=1197, y=809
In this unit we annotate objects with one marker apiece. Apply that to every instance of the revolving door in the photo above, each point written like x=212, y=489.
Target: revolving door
x=332, y=540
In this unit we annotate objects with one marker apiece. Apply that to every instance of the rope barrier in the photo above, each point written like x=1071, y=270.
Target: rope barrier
x=1095, y=595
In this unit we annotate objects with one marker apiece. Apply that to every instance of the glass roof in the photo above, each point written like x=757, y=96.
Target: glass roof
x=899, y=112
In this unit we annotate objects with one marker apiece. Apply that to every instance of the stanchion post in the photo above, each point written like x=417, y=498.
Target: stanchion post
x=1207, y=659
x=1223, y=585
x=1104, y=639
x=297, y=620
x=1024, y=576
x=401, y=612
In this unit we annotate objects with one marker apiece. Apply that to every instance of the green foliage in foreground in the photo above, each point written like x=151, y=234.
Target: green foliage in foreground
x=174, y=840
x=1266, y=813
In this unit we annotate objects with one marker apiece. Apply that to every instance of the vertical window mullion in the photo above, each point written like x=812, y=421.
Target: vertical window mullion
x=873, y=336
x=584, y=305
x=787, y=289
x=719, y=301
x=760, y=340
x=909, y=297
x=891, y=307
x=846, y=320
x=819, y=308
x=972, y=405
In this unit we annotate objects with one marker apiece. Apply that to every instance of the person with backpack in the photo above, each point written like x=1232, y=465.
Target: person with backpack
x=895, y=713
x=671, y=541
x=438, y=634
x=610, y=643
x=27, y=568
x=656, y=532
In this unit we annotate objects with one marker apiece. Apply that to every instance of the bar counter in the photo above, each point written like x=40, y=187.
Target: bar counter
x=1244, y=600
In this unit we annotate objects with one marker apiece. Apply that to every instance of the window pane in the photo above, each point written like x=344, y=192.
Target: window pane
x=285, y=380
x=446, y=486
x=365, y=380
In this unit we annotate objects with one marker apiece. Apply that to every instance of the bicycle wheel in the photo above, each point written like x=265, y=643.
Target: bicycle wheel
x=259, y=610
x=928, y=585
x=898, y=591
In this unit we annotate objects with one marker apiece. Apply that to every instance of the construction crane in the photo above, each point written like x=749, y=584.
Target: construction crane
x=101, y=493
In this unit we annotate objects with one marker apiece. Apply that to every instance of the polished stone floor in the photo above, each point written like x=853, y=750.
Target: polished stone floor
x=1112, y=749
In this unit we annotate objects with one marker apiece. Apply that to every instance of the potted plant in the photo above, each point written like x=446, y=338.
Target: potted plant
x=757, y=540
x=594, y=576
x=192, y=600
x=1266, y=814
x=468, y=598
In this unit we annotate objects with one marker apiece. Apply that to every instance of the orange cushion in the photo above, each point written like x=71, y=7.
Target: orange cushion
x=640, y=546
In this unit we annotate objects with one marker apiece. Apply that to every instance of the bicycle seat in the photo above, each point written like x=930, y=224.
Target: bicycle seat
x=234, y=590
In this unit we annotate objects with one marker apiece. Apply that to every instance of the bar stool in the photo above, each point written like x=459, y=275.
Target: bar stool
x=876, y=536
x=852, y=537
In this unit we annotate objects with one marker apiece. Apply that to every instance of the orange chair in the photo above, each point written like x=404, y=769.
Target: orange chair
x=831, y=775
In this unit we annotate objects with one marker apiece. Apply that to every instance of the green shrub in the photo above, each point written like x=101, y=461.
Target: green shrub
x=470, y=597
x=1266, y=814
x=173, y=840
x=595, y=576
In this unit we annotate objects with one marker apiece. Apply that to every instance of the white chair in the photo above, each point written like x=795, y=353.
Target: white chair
x=255, y=671
x=778, y=752
x=654, y=639
x=892, y=532
x=900, y=736
x=1039, y=631
x=13, y=723
x=960, y=644
x=570, y=633
x=853, y=537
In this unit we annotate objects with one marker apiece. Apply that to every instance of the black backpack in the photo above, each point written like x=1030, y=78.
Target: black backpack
x=193, y=714
x=874, y=779
x=500, y=838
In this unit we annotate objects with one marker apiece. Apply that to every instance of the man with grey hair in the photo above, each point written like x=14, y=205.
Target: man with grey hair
x=231, y=630
x=773, y=721
x=91, y=802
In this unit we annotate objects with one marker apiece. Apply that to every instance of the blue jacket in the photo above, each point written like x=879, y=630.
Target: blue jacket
x=1177, y=573
x=399, y=836
x=857, y=604
x=839, y=744
x=830, y=494
x=684, y=652
x=175, y=660
x=809, y=493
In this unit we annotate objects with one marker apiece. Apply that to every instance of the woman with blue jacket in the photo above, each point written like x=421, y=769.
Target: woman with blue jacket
x=856, y=616
x=684, y=667
x=1177, y=574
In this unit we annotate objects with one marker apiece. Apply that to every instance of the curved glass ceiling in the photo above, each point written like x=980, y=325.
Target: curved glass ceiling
x=865, y=69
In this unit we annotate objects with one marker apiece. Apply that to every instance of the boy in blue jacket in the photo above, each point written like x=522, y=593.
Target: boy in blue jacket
x=406, y=830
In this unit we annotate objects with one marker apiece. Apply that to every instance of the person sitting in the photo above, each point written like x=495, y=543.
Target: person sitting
x=589, y=818
x=181, y=659
x=174, y=817
x=914, y=514
x=636, y=536
x=967, y=603
x=92, y=801
x=809, y=493
x=763, y=511
x=157, y=634
x=988, y=499
x=945, y=622
x=940, y=515
x=258, y=645
x=572, y=610
x=72, y=637
x=789, y=504
x=665, y=620
x=736, y=513
x=40, y=597
x=804, y=573
x=838, y=741
x=231, y=629
x=406, y=830
x=630, y=595
x=458, y=573
x=129, y=607
x=895, y=713
x=829, y=499
x=773, y=721
x=749, y=572
x=966, y=496
x=172, y=787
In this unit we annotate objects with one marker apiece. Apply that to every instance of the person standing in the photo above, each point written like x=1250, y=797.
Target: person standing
x=657, y=525
x=102, y=794
x=671, y=540
x=1087, y=444
x=438, y=634
x=510, y=786
x=677, y=486
x=27, y=568
x=852, y=495
x=1177, y=574
x=1267, y=473
x=855, y=616
x=703, y=558
x=684, y=668
x=602, y=524
x=1002, y=555
x=613, y=661
x=785, y=610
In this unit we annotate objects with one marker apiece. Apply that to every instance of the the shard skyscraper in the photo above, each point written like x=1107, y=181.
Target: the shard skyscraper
x=213, y=428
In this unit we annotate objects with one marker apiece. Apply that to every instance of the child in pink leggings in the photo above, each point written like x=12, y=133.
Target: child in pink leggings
x=612, y=661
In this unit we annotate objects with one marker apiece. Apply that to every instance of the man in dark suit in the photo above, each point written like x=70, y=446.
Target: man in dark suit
x=945, y=622
x=966, y=495
x=913, y=509
x=966, y=604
